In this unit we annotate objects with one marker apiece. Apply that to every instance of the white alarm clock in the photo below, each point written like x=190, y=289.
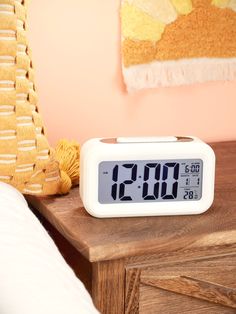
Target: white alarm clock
x=149, y=176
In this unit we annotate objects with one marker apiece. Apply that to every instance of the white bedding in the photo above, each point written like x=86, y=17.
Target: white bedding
x=34, y=278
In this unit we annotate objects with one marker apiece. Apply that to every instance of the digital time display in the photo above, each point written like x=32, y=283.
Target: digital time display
x=141, y=181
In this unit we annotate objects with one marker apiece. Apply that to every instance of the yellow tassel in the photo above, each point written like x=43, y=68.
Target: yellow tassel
x=67, y=154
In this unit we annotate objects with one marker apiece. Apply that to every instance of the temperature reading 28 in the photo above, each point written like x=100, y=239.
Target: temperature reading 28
x=188, y=195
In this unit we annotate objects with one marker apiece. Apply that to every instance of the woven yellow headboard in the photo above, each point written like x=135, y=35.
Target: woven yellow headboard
x=175, y=42
x=26, y=160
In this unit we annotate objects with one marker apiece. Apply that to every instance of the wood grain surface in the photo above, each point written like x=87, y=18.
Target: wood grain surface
x=162, y=301
x=132, y=296
x=196, y=288
x=108, y=286
x=106, y=239
x=204, y=285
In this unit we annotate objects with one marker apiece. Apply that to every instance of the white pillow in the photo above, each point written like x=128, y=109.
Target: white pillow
x=34, y=278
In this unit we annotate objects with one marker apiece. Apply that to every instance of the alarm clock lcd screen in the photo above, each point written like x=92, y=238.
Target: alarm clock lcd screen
x=140, y=181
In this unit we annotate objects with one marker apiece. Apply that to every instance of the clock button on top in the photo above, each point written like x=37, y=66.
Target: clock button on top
x=156, y=139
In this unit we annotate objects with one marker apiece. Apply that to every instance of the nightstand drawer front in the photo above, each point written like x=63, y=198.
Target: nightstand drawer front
x=199, y=286
x=192, y=287
x=157, y=301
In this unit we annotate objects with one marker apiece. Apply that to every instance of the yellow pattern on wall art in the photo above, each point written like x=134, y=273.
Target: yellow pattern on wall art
x=183, y=6
x=161, y=10
x=232, y=5
x=138, y=25
x=220, y=3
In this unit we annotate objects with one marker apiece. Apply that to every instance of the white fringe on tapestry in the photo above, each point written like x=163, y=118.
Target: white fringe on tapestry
x=181, y=72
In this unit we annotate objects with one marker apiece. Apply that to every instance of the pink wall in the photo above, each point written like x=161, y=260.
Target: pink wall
x=77, y=57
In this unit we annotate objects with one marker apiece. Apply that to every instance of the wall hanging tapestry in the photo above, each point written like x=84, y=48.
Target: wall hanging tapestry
x=26, y=160
x=177, y=42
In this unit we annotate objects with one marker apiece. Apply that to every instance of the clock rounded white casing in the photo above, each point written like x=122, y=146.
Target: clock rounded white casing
x=98, y=150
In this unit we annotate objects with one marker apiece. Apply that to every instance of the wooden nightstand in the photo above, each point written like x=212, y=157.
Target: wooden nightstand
x=153, y=265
